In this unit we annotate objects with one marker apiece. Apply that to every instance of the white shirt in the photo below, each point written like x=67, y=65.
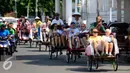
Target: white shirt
x=59, y=22
x=84, y=31
x=75, y=31
x=77, y=22
x=107, y=38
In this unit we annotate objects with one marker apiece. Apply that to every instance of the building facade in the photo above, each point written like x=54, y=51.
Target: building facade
x=110, y=10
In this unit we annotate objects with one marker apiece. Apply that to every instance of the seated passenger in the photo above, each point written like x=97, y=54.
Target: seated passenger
x=56, y=39
x=83, y=35
x=72, y=33
x=109, y=39
x=97, y=42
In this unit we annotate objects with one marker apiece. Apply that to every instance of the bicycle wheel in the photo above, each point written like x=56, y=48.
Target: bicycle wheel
x=89, y=63
x=96, y=63
x=30, y=42
x=67, y=57
x=115, y=63
x=75, y=57
x=39, y=46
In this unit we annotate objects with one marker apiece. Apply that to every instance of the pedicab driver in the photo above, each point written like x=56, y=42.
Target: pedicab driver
x=57, y=20
x=98, y=25
x=37, y=25
x=77, y=19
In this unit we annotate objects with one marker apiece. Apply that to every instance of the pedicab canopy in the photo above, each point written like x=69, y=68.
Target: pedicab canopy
x=119, y=25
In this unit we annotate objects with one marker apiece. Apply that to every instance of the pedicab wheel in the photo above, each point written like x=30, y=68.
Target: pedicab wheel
x=71, y=57
x=39, y=46
x=67, y=57
x=96, y=63
x=50, y=57
x=30, y=42
x=89, y=63
x=36, y=43
x=75, y=58
x=56, y=56
x=19, y=41
x=115, y=63
x=50, y=52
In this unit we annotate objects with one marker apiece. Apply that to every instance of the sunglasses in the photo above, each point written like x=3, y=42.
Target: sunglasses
x=95, y=31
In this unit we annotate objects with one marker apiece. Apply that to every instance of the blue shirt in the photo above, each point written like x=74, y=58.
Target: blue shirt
x=4, y=33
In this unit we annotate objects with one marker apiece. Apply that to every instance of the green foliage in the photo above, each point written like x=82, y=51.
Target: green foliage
x=46, y=6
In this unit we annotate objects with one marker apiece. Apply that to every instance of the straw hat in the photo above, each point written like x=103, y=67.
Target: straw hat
x=36, y=18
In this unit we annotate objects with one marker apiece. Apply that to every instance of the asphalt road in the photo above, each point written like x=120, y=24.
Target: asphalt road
x=30, y=60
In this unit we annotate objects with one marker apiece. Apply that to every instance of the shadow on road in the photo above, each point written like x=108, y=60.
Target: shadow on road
x=84, y=69
x=43, y=60
x=38, y=50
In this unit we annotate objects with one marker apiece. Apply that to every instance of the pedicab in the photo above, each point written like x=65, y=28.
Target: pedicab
x=93, y=60
x=75, y=52
x=23, y=35
x=121, y=33
x=45, y=35
x=36, y=36
x=55, y=41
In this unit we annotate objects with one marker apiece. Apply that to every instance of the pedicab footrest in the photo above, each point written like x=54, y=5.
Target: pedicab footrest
x=78, y=49
x=46, y=43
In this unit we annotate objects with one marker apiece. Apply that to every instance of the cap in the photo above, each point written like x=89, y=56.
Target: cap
x=72, y=22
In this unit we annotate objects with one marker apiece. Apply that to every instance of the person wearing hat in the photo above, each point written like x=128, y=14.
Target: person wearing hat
x=38, y=22
x=77, y=19
x=57, y=20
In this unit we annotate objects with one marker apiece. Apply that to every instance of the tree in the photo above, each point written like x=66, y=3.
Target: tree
x=6, y=6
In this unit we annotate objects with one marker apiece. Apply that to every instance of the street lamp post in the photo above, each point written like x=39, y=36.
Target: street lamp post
x=16, y=7
x=98, y=8
x=76, y=5
x=111, y=7
x=28, y=9
x=36, y=8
